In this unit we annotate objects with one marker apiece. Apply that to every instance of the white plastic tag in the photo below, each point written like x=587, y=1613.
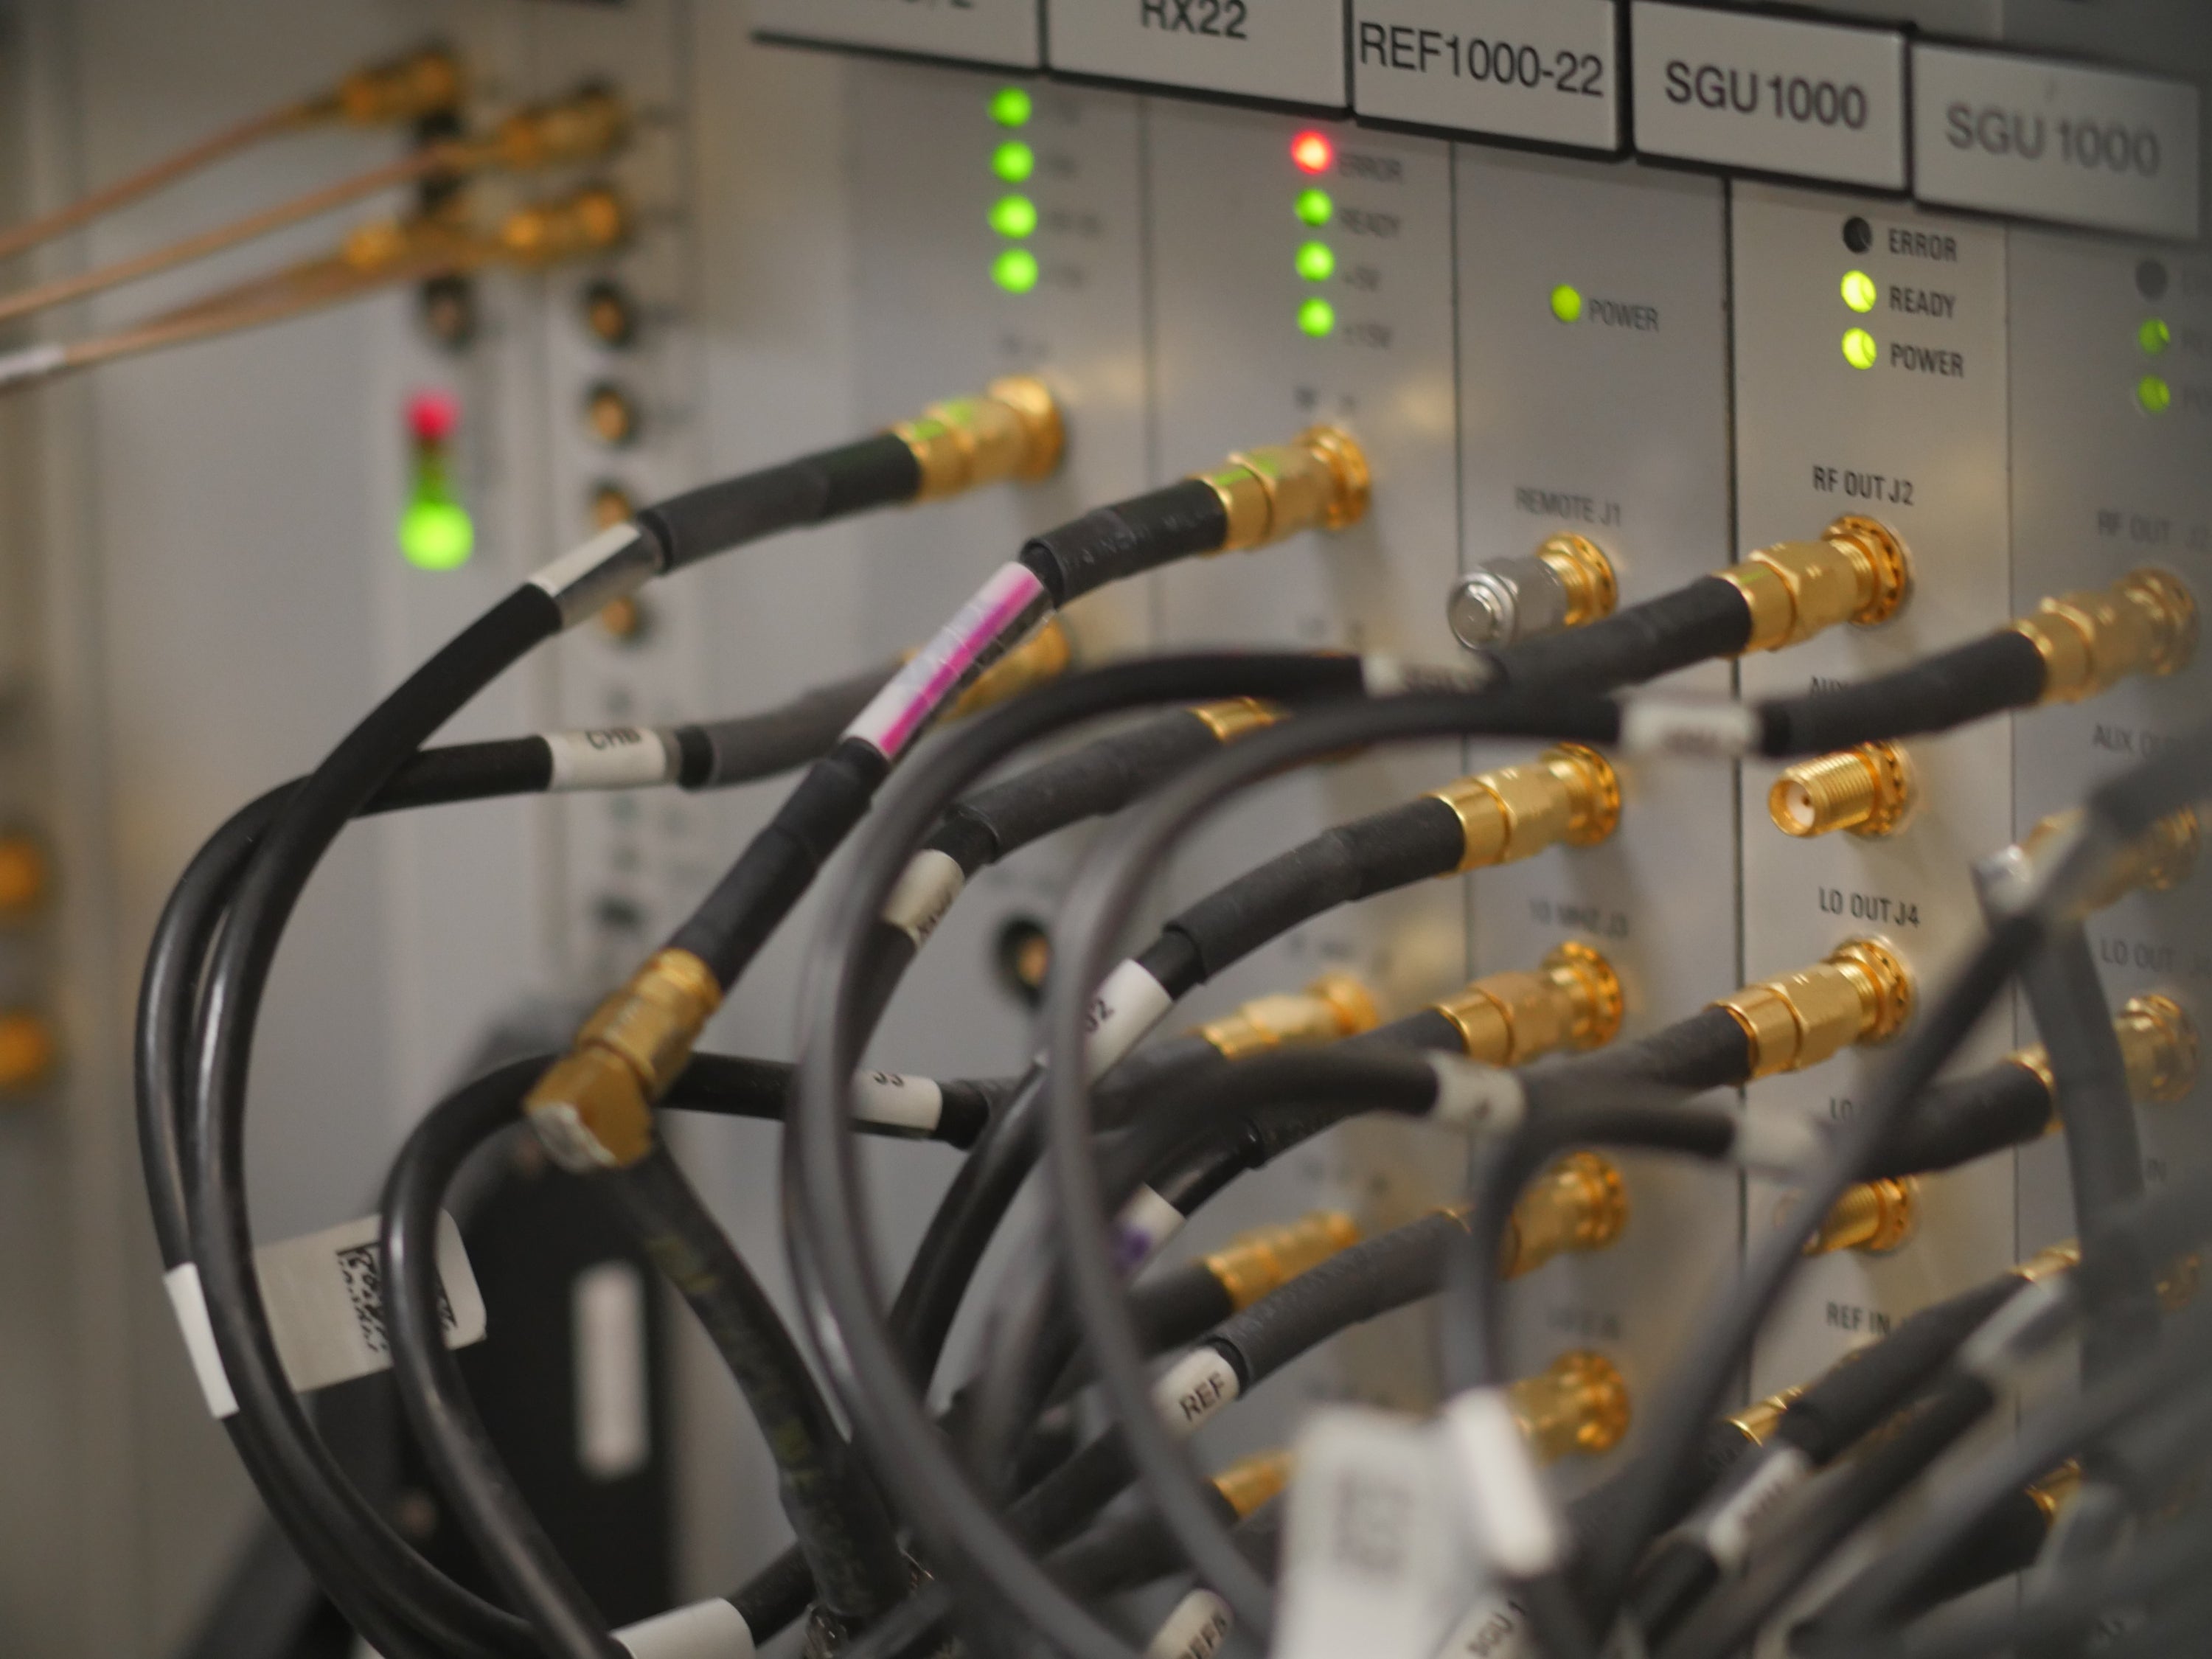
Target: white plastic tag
x=913, y=1103
x=613, y=757
x=706, y=1630
x=1190, y=1392
x=1376, y=1559
x=1196, y=1629
x=1770, y=94
x=1127, y=1006
x=2068, y=142
x=927, y=888
x=1290, y=50
x=325, y=1294
x=1002, y=31
x=1730, y=1532
x=1547, y=72
x=1145, y=1224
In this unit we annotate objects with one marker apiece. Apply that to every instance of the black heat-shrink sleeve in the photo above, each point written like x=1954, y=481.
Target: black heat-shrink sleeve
x=1707, y=619
x=1709, y=1050
x=719, y=754
x=1369, y=1279
x=877, y=472
x=1849, y=1402
x=1956, y=1122
x=1411, y=843
x=995, y=821
x=1988, y=677
x=1113, y=543
x=769, y=877
x=1126, y=1550
x=2006, y=1540
x=1426, y=1030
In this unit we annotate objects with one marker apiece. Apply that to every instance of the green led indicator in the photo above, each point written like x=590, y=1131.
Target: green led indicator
x=1318, y=318
x=1317, y=262
x=1012, y=106
x=1861, y=293
x=1013, y=161
x=1014, y=217
x=1567, y=303
x=2155, y=336
x=436, y=534
x=1016, y=270
x=1316, y=206
x=1860, y=349
x=2156, y=396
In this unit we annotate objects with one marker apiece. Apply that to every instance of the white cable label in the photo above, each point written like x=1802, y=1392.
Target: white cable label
x=32, y=363
x=1692, y=730
x=1146, y=1222
x=926, y=888
x=2015, y=1330
x=613, y=757
x=1127, y=1006
x=1511, y=1520
x=613, y=1411
x=617, y=561
x=325, y=1294
x=1779, y=1143
x=1477, y=1100
x=1376, y=1559
x=1727, y=1534
x=1496, y=1627
x=1005, y=608
x=913, y=1103
x=1196, y=1629
x=706, y=1630
x=1190, y=1392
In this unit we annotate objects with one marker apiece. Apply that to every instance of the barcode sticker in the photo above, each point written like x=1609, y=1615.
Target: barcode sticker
x=325, y=1294
x=1377, y=1561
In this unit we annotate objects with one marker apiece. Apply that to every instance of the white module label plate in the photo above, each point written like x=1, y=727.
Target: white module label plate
x=2062, y=142
x=1291, y=49
x=1545, y=71
x=978, y=31
x=1811, y=101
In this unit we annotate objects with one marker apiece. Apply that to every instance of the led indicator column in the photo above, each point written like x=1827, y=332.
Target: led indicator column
x=1014, y=217
x=1315, y=261
x=435, y=531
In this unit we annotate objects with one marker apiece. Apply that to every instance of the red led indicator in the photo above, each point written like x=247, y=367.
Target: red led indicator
x=1313, y=152
x=432, y=416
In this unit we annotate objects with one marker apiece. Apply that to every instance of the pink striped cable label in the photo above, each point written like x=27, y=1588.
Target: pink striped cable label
x=1003, y=608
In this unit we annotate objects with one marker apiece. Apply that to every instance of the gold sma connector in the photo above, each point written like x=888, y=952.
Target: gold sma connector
x=1248, y=1485
x=407, y=89
x=592, y=221
x=1568, y=793
x=1863, y=992
x=1858, y=572
x=1873, y=1219
x=2163, y=859
x=1260, y=1263
x=1509, y=1019
x=1334, y=1006
x=588, y=126
x=2143, y=623
x=1579, y=1406
x=2158, y=1041
x=1321, y=481
x=1577, y=1207
x=1756, y=1423
x=1868, y=791
x=1013, y=431
x=593, y=1109
x=1237, y=717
